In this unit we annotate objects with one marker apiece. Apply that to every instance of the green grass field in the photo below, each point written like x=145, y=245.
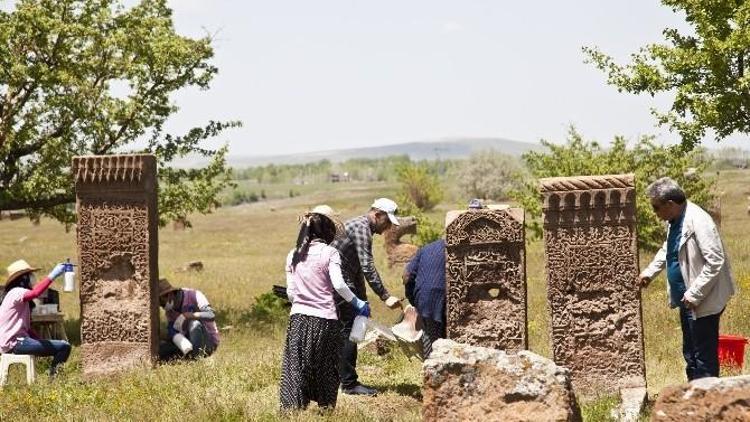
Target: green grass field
x=243, y=250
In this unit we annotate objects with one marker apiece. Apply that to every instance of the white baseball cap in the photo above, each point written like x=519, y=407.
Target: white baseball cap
x=389, y=207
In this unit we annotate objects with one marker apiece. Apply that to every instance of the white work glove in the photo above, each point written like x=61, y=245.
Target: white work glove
x=393, y=302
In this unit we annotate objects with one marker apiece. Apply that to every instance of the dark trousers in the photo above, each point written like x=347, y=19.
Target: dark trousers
x=348, y=358
x=58, y=349
x=700, y=344
x=431, y=331
x=199, y=338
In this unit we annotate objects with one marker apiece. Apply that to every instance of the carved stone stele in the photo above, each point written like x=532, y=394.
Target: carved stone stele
x=118, y=251
x=486, y=278
x=592, y=266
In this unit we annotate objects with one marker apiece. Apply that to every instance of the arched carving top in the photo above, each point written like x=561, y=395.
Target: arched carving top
x=485, y=226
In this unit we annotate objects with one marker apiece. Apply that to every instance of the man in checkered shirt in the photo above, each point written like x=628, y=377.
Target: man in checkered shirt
x=358, y=265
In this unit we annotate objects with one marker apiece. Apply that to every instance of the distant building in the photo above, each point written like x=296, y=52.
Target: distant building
x=339, y=177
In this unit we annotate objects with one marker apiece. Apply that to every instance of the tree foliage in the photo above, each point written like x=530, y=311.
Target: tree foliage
x=489, y=175
x=705, y=69
x=419, y=185
x=95, y=77
x=649, y=161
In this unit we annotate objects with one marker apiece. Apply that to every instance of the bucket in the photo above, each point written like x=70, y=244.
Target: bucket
x=732, y=351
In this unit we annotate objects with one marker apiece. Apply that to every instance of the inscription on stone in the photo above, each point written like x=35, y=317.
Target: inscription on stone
x=117, y=249
x=486, y=279
x=592, y=264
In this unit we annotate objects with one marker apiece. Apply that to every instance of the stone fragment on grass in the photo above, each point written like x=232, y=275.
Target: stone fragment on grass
x=195, y=266
x=632, y=401
x=463, y=382
x=705, y=399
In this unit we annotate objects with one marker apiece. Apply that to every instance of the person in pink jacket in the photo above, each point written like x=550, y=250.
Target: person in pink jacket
x=16, y=335
x=313, y=342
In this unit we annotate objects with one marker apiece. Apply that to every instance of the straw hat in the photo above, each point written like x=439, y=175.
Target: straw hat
x=165, y=287
x=18, y=269
x=333, y=216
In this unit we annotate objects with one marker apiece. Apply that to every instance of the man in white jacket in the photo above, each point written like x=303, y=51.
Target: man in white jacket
x=699, y=279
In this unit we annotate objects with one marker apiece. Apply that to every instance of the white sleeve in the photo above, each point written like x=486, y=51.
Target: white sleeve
x=657, y=264
x=290, y=286
x=200, y=299
x=334, y=270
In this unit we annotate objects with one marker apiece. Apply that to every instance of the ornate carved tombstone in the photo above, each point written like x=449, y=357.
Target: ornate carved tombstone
x=117, y=249
x=592, y=264
x=486, y=278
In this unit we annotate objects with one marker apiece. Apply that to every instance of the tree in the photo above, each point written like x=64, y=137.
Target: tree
x=705, y=70
x=646, y=159
x=419, y=186
x=488, y=175
x=94, y=77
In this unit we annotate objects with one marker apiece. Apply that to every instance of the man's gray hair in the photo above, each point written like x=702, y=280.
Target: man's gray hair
x=666, y=189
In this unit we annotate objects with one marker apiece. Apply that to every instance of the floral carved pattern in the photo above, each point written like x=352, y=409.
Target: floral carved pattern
x=486, y=280
x=592, y=264
x=117, y=255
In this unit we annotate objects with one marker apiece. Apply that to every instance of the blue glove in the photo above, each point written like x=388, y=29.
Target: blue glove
x=57, y=271
x=361, y=307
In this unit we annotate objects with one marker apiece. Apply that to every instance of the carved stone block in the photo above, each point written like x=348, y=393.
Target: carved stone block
x=592, y=265
x=118, y=251
x=486, y=278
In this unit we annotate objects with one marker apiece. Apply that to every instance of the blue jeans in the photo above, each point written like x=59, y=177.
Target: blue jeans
x=700, y=344
x=199, y=338
x=58, y=349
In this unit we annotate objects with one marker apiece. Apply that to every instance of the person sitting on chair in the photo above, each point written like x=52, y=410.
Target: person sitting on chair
x=188, y=313
x=16, y=303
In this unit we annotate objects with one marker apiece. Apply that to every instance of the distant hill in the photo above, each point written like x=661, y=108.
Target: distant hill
x=444, y=149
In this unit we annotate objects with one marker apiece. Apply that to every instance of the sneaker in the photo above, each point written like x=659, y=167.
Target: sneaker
x=360, y=389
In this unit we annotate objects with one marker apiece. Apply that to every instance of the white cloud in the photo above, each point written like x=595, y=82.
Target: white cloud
x=449, y=27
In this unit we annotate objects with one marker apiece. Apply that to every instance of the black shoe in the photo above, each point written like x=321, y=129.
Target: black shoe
x=361, y=390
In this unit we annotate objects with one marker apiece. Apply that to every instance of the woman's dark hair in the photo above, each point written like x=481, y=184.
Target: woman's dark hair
x=21, y=281
x=314, y=227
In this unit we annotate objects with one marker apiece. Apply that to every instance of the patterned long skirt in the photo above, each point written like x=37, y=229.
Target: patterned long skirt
x=309, y=367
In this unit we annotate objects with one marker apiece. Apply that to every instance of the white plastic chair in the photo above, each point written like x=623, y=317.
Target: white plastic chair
x=7, y=359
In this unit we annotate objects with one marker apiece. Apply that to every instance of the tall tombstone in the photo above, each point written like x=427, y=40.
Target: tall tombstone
x=118, y=252
x=592, y=265
x=486, y=278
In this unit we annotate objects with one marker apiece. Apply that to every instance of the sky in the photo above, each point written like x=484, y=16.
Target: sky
x=328, y=74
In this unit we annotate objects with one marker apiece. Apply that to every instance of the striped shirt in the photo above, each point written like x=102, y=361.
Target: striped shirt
x=357, y=263
x=425, y=281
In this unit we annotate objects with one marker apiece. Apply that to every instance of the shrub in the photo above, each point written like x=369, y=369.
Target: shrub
x=488, y=175
x=241, y=197
x=419, y=186
x=268, y=308
x=646, y=159
x=428, y=230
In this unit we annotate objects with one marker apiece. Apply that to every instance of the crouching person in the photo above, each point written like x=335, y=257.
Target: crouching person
x=191, y=328
x=16, y=335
